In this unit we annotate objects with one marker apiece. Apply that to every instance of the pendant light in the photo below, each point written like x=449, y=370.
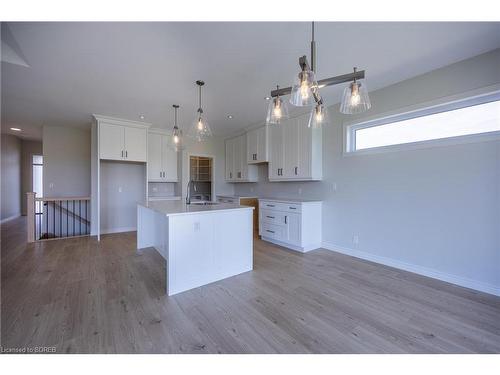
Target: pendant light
x=176, y=132
x=306, y=91
x=200, y=130
x=277, y=110
x=355, y=98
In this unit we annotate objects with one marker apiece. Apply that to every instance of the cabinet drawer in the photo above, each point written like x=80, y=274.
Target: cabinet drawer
x=278, y=232
x=280, y=206
x=273, y=217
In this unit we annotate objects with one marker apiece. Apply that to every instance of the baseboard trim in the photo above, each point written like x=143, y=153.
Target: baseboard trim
x=10, y=218
x=301, y=249
x=118, y=230
x=424, y=271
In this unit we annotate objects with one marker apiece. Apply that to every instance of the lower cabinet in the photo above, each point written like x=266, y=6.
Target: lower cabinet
x=292, y=224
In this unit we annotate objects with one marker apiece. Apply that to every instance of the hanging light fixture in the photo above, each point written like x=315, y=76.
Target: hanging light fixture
x=277, y=110
x=176, y=132
x=200, y=130
x=305, y=90
x=355, y=98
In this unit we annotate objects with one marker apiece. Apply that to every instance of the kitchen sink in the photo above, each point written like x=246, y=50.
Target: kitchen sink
x=205, y=203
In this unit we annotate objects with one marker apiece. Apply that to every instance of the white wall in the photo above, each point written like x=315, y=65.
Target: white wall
x=10, y=176
x=66, y=153
x=434, y=211
x=29, y=148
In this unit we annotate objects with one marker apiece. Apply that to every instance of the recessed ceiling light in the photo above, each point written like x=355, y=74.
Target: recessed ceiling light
x=16, y=129
x=267, y=98
x=230, y=116
x=141, y=117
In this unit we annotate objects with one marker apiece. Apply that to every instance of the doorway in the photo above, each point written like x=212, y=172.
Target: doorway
x=201, y=178
x=37, y=172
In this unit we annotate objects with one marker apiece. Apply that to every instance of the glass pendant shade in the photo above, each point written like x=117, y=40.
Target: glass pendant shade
x=318, y=117
x=277, y=111
x=355, y=99
x=176, y=139
x=302, y=89
x=200, y=129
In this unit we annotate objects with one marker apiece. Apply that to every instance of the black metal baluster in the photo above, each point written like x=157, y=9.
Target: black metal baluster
x=60, y=218
x=67, y=218
x=80, y=217
x=86, y=220
x=73, y=218
x=54, y=216
x=46, y=219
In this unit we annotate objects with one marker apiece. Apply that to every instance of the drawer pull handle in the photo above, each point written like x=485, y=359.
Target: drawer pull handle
x=270, y=231
x=270, y=217
x=292, y=208
x=285, y=220
x=270, y=205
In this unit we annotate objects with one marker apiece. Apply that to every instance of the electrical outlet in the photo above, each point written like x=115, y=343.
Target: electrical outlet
x=251, y=189
x=197, y=226
x=51, y=185
x=355, y=239
x=120, y=189
x=334, y=187
x=155, y=189
x=300, y=191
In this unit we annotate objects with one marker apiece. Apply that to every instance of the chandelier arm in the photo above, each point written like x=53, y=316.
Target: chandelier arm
x=313, y=50
x=324, y=82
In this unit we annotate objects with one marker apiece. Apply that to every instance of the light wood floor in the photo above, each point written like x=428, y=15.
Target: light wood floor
x=85, y=297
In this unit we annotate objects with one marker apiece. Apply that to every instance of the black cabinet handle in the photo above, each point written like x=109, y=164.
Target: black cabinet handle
x=270, y=205
x=270, y=217
x=270, y=231
x=292, y=208
x=296, y=170
x=285, y=219
x=126, y=154
x=122, y=153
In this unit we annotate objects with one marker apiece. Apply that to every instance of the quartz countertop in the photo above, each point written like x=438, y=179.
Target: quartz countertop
x=170, y=207
x=290, y=200
x=165, y=198
x=236, y=196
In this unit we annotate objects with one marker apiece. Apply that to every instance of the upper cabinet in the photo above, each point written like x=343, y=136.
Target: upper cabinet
x=162, y=158
x=237, y=168
x=257, y=145
x=295, y=151
x=122, y=140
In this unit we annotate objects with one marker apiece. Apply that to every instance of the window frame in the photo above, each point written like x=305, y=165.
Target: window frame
x=441, y=105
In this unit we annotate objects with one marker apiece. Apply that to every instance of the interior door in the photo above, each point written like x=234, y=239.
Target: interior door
x=111, y=141
x=135, y=144
x=276, y=151
x=154, y=157
x=169, y=158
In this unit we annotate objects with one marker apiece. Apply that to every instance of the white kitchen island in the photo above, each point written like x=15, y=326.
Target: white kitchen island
x=200, y=243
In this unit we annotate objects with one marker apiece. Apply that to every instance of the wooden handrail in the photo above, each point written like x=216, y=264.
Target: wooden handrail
x=62, y=199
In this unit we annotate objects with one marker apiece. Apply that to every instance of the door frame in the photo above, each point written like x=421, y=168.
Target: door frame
x=186, y=173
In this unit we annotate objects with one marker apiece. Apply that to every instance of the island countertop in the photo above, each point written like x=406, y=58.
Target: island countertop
x=170, y=208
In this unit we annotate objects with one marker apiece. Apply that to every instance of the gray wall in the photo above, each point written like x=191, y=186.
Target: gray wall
x=11, y=176
x=434, y=211
x=66, y=152
x=122, y=186
x=29, y=148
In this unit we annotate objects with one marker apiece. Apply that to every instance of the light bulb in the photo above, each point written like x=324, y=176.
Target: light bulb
x=304, y=88
x=319, y=114
x=176, y=139
x=277, y=108
x=200, y=124
x=355, y=97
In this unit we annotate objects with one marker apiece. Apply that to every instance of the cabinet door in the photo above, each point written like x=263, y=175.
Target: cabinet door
x=275, y=151
x=155, y=157
x=135, y=144
x=229, y=160
x=111, y=141
x=169, y=160
x=262, y=153
x=252, y=146
x=291, y=151
x=294, y=228
x=243, y=157
x=237, y=159
x=304, y=147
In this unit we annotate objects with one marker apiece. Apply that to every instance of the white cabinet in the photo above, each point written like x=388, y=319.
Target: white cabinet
x=257, y=145
x=237, y=168
x=295, y=151
x=120, y=142
x=293, y=224
x=162, y=158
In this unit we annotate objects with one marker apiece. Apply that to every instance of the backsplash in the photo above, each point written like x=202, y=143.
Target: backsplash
x=161, y=189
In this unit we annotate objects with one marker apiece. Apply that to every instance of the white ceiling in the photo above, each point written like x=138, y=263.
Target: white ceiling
x=128, y=69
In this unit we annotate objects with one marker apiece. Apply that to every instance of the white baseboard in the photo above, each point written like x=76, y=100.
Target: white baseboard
x=118, y=230
x=10, y=218
x=429, y=272
x=303, y=249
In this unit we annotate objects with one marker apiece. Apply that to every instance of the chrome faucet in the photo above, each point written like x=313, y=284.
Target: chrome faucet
x=188, y=192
